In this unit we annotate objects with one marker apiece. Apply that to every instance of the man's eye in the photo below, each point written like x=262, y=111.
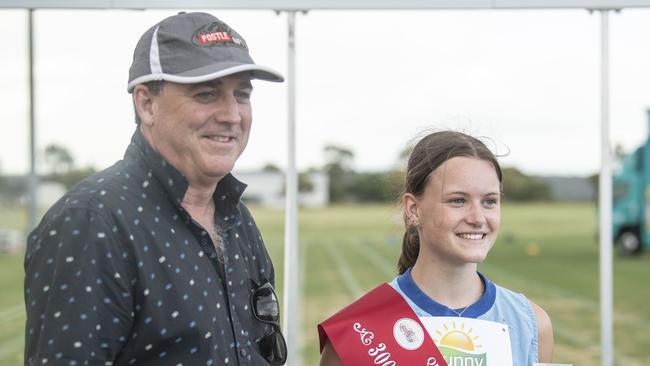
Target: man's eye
x=205, y=96
x=243, y=95
x=457, y=201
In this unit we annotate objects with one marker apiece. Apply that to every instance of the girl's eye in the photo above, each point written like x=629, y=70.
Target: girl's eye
x=457, y=201
x=491, y=201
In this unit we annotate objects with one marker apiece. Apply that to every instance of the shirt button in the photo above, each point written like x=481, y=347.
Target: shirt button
x=243, y=352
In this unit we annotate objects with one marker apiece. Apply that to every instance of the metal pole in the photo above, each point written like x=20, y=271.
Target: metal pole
x=33, y=178
x=605, y=205
x=291, y=314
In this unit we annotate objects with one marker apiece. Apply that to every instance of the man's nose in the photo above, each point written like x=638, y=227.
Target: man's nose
x=228, y=109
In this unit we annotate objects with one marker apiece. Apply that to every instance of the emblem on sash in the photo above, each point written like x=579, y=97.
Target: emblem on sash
x=408, y=334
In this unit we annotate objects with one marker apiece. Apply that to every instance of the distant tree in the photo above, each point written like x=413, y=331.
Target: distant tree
x=270, y=167
x=12, y=189
x=304, y=183
x=371, y=187
x=62, y=167
x=74, y=176
x=395, y=184
x=518, y=186
x=339, y=170
x=338, y=157
x=58, y=158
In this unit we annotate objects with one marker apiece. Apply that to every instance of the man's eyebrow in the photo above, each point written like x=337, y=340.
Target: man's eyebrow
x=209, y=83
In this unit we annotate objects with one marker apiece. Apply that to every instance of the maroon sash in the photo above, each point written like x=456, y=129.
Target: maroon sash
x=380, y=329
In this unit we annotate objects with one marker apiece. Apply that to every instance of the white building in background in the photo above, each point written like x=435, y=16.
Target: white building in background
x=11, y=241
x=267, y=189
x=48, y=193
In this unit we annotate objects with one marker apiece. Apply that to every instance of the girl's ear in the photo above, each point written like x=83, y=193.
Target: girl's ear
x=410, y=203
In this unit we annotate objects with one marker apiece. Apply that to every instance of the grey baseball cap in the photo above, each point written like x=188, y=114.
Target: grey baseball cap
x=191, y=48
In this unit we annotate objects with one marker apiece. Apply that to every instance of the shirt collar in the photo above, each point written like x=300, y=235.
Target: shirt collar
x=229, y=189
x=422, y=300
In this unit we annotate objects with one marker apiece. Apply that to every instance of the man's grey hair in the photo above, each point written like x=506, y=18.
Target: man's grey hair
x=155, y=88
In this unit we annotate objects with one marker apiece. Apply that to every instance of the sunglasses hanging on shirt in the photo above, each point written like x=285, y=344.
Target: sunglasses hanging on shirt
x=266, y=309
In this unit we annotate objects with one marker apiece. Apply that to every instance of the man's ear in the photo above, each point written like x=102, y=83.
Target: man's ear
x=411, y=208
x=144, y=104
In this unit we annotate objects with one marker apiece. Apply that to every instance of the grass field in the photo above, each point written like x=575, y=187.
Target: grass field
x=547, y=251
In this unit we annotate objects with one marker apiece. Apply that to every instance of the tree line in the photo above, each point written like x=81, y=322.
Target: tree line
x=346, y=185
x=60, y=167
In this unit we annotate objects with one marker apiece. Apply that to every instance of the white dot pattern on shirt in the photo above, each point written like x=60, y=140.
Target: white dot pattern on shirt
x=84, y=233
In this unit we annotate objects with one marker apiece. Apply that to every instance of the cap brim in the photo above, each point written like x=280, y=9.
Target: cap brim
x=200, y=75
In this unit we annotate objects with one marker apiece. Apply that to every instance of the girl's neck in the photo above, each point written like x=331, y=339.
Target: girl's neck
x=453, y=286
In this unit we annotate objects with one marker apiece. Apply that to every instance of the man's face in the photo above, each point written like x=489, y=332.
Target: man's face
x=201, y=129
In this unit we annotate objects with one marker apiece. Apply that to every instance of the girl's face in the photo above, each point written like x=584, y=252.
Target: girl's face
x=459, y=211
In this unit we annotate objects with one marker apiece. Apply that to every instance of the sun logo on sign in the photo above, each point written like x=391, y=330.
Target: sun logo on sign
x=457, y=338
x=459, y=346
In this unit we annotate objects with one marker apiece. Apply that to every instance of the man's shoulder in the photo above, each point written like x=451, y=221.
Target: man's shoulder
x=96, y=190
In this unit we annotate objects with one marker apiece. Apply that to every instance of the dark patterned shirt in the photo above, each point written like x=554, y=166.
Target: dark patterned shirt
x=118, y=273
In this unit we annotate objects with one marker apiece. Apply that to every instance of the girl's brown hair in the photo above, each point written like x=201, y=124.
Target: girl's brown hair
x=427, y=155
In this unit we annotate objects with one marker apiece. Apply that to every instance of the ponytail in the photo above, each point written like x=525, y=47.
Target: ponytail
x=410, y=249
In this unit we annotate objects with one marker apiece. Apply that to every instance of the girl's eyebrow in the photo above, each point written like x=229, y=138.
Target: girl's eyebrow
x=456, y=193
x=461, y=193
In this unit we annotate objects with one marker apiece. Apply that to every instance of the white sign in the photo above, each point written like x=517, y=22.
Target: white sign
x=470, y=342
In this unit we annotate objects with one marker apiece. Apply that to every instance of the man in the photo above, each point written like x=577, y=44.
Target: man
x=155, y=261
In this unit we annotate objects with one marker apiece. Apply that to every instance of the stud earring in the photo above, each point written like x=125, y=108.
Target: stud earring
x=413, y=222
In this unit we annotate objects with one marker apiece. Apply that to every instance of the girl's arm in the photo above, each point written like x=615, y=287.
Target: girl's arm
x=545, y=340
x=329, y=357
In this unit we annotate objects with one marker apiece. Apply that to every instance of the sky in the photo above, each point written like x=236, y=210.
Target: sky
x=370, y=81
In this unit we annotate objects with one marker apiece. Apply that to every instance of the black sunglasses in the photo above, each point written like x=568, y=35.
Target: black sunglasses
x=266, y=309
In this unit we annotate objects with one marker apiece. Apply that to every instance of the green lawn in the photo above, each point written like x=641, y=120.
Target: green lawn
x=12, y=310
x=348, y=250
x=547, y=251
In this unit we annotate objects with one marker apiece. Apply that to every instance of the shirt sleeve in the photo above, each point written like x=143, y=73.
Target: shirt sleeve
x=78, y=291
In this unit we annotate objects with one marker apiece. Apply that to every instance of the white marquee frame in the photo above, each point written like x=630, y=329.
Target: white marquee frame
x=291, y=276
